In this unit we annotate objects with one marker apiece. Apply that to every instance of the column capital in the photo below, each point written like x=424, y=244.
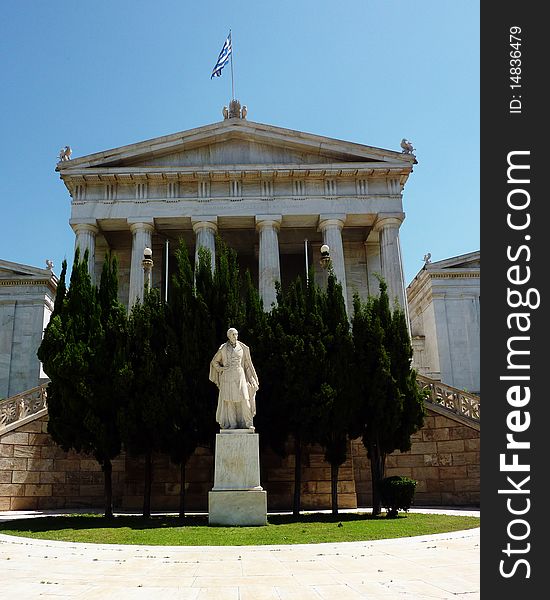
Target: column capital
x=206, y=222
x=79, y=226
x=143, y=224
x=273, y=221
x=332, y=220
x=388, y=220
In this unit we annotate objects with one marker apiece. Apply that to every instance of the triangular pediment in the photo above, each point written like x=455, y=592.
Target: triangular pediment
x=14, y=271
x=243, y=151
x=237, y=142
x=471, y=260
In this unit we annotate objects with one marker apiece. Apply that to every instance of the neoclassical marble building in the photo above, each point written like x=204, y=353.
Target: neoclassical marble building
x=271, y=193
x=26, y=303
x=444, y=307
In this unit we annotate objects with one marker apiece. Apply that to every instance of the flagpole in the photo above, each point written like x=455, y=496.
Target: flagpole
x=232, y=81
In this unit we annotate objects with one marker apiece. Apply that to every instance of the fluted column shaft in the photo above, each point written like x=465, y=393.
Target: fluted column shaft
x=331, y=226
x=85, y=240
x=141, y=239
x=269, y=264
x=390, y=259
x=205, y=232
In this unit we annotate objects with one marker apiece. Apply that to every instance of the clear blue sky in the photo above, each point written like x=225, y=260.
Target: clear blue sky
x=102, y=74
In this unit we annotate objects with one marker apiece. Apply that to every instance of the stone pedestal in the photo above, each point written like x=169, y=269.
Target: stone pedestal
x=237, y=497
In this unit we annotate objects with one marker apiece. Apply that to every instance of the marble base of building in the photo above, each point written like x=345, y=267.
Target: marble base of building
x=237, y=497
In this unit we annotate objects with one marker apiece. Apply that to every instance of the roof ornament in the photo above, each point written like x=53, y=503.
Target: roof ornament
x=234, y=111
x=407, y=147
x=49, y=264
x=65, y=153
x=427, y=258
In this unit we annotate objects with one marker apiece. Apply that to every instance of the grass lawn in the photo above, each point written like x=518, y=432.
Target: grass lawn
x=194, y=531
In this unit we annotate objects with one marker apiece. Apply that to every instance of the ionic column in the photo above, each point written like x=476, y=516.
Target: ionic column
x=141, y=238
x=269, y=265
x=390, y=257
x=85, y=240
x=205, y=229
x=331, y=226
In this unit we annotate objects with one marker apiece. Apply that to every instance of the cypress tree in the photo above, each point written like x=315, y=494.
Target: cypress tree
x=225, y=301
x=390, y=405
x=108, y=367
x=336, y=396
x=79, y=360
x=192, y=397
x=147, y=417
x=297, y=351
x=401, y=353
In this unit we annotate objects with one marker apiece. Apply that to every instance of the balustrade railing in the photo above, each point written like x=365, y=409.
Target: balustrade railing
x=457, y=401
x=17, y=408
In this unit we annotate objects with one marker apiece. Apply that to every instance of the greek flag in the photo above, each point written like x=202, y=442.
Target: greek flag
x=222, y=58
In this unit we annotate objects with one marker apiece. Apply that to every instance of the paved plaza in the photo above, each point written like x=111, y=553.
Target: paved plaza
x=441, y=566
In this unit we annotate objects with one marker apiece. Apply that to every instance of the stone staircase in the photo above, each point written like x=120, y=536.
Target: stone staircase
x=461, y=404
x=22, y=408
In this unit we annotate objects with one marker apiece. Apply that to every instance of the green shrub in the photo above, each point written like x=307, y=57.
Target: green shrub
x=397, y=493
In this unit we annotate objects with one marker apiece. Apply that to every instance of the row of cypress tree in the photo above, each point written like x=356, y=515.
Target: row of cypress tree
x=139, y=382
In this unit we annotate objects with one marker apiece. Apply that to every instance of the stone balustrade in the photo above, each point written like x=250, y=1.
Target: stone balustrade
x=457, y=401
x=17, y=410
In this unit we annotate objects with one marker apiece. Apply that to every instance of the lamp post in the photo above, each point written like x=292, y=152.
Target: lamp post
x=147, y=264
x=325, y=257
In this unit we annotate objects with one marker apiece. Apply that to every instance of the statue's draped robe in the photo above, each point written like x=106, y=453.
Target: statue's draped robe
x=237, y=385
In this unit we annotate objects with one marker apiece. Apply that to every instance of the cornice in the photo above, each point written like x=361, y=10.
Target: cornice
x=422, y=281
x=127, y=175
x=461, y=275
x=49, y=283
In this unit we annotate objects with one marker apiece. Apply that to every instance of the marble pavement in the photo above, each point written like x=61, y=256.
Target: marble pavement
x=417, y=568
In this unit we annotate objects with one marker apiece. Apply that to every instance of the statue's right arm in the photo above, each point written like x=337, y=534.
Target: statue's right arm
x=217, y=361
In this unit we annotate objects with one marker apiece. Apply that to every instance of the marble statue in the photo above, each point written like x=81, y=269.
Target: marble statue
x=65, y=153
x=232, y=371
x=225, y=112
x=407, y=146
x=244, y=112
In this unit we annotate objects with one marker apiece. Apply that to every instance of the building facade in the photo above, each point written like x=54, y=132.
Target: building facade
x=26, y=303
x=270, y=193
x=275, y=196
x=444, y=309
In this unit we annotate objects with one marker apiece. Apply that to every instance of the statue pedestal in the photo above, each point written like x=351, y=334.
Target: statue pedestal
x=237, y=497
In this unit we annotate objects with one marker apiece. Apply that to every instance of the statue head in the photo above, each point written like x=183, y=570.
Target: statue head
x=232, y=335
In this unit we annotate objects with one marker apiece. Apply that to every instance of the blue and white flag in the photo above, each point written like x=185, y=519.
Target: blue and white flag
x=222, y=58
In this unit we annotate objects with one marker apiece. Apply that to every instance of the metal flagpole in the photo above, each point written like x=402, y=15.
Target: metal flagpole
x=307, y=266
x=232, y=82
x=166, y=259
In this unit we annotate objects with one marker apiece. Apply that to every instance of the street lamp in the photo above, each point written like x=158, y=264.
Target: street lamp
x=147, y=264
x=325, y=256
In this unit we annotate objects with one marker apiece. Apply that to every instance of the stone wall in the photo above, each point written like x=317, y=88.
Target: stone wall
x=166, y=484
x=36, y=474
x=444, y=459
x=278, y=480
